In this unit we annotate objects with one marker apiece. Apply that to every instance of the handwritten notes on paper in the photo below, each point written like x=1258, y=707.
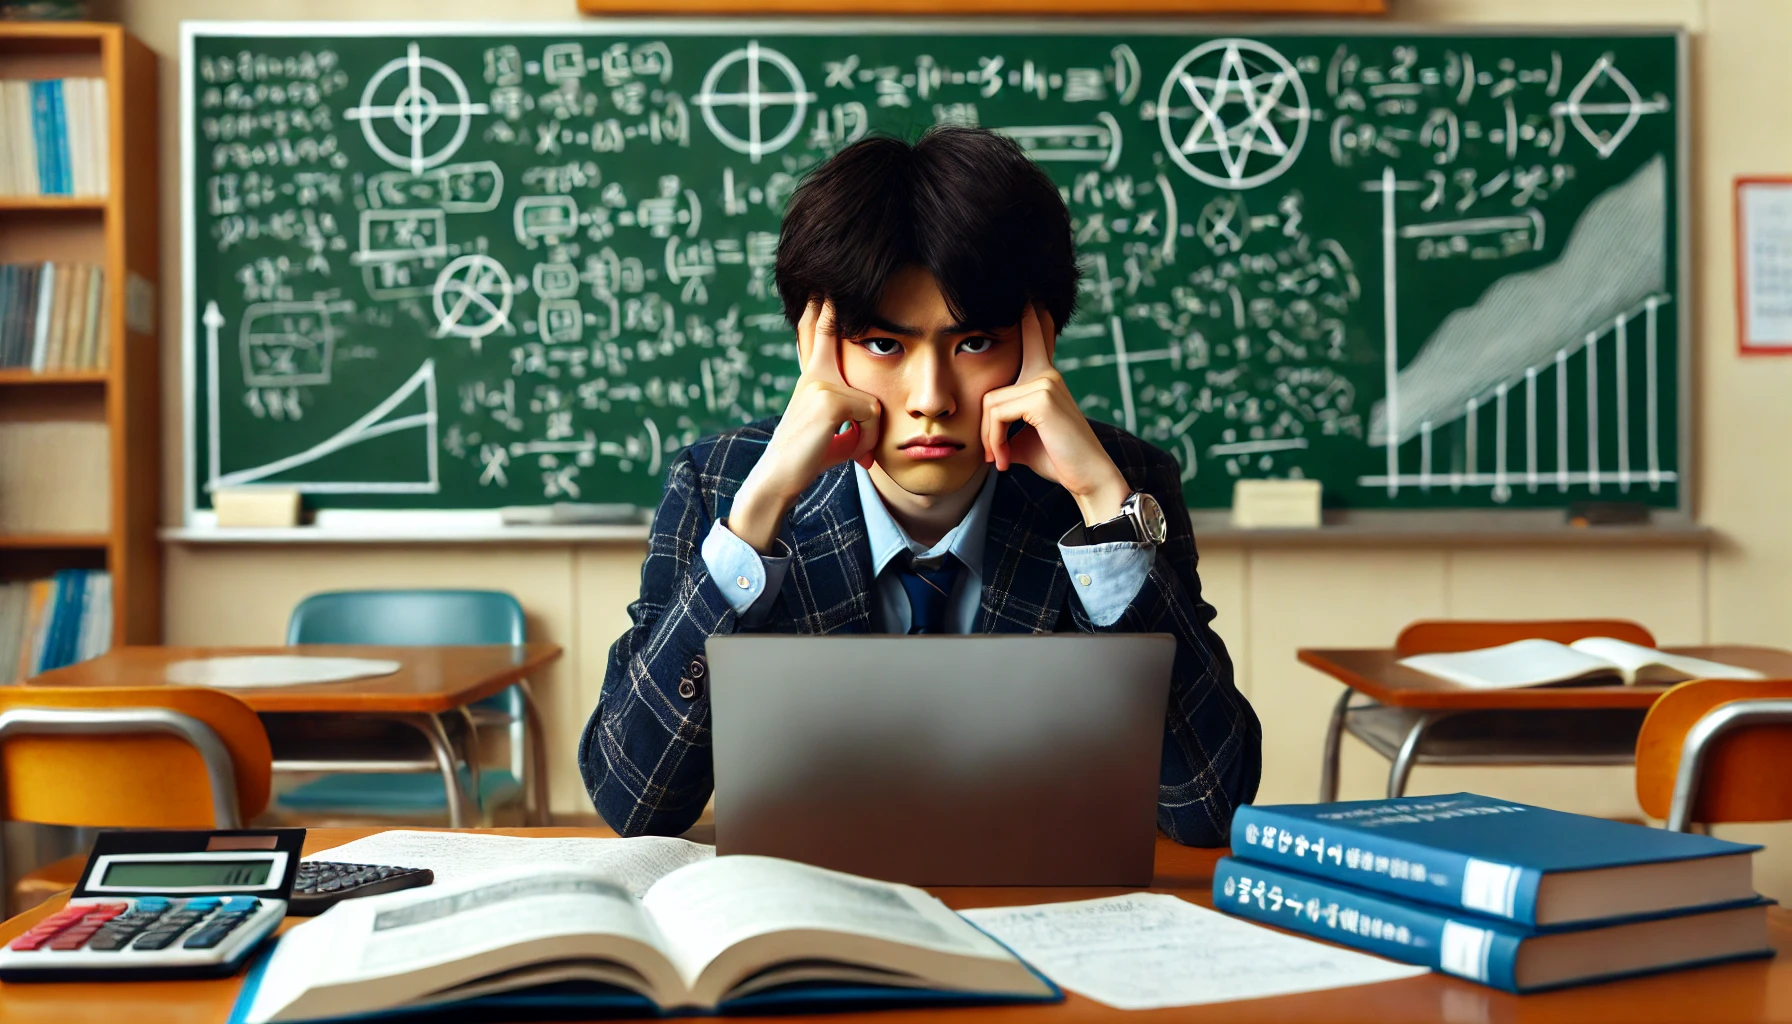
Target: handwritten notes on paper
x=1145, y=951
x=1764, y=211
x=635, y=863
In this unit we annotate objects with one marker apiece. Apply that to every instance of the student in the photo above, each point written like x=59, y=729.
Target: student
x=967, y=493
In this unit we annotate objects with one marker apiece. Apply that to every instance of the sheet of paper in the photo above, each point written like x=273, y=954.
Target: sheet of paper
x=1149, y=950
x=248, y=672
x=634, y=863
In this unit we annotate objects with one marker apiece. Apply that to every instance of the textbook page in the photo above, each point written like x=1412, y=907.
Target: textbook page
x=384, y=951
x=1637, y=662
x=705, y=910
x=1146, y=951
x=634, y=863
x=1508, y=666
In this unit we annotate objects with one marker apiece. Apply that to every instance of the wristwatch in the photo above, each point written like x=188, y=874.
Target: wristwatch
x=1141, y=521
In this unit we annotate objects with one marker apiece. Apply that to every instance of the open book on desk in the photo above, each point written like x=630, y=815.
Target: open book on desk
x=734, y=932
x=1595, y=659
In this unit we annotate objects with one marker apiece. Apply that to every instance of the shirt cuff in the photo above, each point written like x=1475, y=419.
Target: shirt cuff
x=1105, y=577
x=749, y=581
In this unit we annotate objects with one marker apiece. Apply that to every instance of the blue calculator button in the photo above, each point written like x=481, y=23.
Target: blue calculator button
x=152, y=903
x=241, y=903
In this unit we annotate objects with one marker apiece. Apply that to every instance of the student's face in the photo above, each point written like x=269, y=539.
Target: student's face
x=930, y=374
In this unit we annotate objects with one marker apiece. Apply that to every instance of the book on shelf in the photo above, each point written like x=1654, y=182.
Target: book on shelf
x=1530, y=865
x=52, y=317
x=49, y=623
x=57, y=137
x=740, y=933
x=1594, y=659
x=1502, y=954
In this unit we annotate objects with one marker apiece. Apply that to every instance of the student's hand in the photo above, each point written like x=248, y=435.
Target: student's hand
x=809, y=438
x=1057, y=441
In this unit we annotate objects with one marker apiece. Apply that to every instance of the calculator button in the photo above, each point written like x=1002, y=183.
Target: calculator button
x=205, y=938
x=154, y=940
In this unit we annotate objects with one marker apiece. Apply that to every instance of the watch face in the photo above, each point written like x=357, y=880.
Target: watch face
x=1151, y=518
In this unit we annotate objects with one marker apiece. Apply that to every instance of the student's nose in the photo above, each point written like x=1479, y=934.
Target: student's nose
x=931, y=394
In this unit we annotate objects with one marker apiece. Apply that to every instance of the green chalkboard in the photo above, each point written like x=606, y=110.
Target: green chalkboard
x=441, y=267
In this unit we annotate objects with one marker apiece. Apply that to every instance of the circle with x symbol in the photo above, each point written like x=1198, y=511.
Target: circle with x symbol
x=748, y=89
x=1233, y=113
x=472, y=297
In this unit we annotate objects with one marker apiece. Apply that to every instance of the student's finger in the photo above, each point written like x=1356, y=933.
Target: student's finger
x=1035, y=357
x=867, y=445
x=805, y=333
x=824, y=354
x=845, y=444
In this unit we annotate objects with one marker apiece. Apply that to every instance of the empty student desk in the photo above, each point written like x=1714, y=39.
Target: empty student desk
x=1741, y=992
x=430, y=681
x=1377, y=673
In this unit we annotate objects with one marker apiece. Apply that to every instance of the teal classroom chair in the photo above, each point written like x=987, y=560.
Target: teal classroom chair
x=415, y=787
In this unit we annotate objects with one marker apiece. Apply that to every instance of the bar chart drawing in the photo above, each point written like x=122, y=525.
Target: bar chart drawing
x=1571, y=328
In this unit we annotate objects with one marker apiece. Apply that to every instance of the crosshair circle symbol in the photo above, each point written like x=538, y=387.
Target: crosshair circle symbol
x=472, y=297
x=415, y=110
x=756, y=99
x=1240, y=112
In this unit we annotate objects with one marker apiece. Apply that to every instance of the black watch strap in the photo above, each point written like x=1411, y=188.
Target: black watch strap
x=1119, y=530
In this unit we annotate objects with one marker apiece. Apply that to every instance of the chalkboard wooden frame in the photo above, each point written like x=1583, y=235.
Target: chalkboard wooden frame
x=1449, y=519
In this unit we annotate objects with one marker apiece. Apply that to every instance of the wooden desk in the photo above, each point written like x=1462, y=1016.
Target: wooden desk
x=1378, y=674
x=430, y=682
x=1744, y=992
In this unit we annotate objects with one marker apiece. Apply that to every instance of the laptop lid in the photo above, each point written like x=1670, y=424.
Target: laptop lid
x=943, y=760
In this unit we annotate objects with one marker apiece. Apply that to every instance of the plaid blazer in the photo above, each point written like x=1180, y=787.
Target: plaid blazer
x=645, y=753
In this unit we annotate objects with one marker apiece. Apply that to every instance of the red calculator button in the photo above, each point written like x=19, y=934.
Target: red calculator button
x=28, y=942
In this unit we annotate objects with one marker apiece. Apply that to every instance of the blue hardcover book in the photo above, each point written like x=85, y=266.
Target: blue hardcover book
x=1507, y=860
x=65, y=182
x=1503, y=955
x=723, y=935
x=43, y=132
x=63, y=615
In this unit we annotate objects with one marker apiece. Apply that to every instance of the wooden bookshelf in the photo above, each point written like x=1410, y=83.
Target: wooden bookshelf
x=118, y=231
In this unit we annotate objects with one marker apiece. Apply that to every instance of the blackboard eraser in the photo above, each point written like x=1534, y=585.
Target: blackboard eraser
x=567, y=513
x=1608, y=513
x=256, y=508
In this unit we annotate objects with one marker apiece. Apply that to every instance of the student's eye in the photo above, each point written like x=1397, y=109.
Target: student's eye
x=881, y=346
x=976, y=346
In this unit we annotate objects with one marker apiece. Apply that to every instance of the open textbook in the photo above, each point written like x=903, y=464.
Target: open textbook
x=742, y=930
x=1548, y=663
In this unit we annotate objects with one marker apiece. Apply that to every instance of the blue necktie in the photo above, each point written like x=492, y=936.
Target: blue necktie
x=929, y=592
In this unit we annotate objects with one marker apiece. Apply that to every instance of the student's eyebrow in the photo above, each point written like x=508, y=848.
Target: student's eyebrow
x=879, y=323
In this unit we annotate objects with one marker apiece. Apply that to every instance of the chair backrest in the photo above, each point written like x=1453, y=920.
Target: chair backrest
x=407, y=618
x=1441, y=636
x=1746, y=773
x=137, y=779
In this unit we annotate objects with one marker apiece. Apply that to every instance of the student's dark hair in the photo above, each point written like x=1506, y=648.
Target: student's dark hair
x=964, y=203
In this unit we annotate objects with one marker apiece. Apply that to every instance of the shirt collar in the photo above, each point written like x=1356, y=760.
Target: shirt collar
x=887, y=538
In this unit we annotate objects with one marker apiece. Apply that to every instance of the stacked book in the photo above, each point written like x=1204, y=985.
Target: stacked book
x=1517, y=897
x=52, y=317
x=46, y=624
x=56, y=135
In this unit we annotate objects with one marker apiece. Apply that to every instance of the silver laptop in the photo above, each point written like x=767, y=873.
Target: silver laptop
x=943, y=760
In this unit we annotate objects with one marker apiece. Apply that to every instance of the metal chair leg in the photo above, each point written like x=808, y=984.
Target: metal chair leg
x=1409, y=753
x=537, y=785
x=431, y=728
x=1334, y=737
x=471, y=755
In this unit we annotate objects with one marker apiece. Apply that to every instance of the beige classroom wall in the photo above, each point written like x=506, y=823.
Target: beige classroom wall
x=1270, y=601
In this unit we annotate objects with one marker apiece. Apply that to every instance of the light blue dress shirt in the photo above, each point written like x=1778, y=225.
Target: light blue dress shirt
x=1105, y=577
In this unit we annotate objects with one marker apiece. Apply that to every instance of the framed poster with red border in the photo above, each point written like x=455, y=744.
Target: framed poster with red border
x=1763, y=225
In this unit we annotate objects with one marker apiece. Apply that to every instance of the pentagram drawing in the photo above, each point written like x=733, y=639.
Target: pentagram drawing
x=763, y=67
x=1249, y=113
x=412, y=116
x=1629, y=107
x=472, y=297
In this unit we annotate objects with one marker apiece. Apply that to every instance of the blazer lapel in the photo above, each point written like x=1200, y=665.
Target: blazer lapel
x=829, y=585
x=1024, y=582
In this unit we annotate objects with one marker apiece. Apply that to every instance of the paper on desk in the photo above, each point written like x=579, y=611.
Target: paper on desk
x=247, y=672
x=1148, y=950
x=635, y=863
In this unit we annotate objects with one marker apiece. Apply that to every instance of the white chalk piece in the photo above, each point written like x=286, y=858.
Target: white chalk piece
x=1275, y=504
x=256, y=508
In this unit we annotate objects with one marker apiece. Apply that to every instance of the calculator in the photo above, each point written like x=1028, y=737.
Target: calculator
x=161, y=904
x=324, y=883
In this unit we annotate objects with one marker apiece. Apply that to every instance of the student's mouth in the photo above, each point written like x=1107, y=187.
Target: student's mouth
x=930, y=446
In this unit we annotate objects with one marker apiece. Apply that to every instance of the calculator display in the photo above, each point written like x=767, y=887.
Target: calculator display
x=149, y=874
